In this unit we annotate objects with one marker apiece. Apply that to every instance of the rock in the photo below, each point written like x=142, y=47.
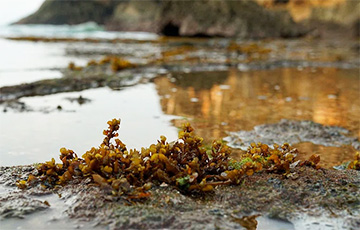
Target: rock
x=244, y=19
x=203, y=18
x=356, y=28
x=327, y=18
x=314, y=193
x=17, y=206
x=293, y=132
x=72, y=12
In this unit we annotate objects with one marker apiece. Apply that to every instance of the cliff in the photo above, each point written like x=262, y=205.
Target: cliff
x=326, y=16
x=71, y=12
x=244, y=19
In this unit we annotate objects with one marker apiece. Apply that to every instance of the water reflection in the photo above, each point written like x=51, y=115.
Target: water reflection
x=335, y=155
x=218, y=102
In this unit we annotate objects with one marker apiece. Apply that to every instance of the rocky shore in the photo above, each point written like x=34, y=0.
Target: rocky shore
x=175, y=56
x=330, y=195
x=119, y=189
x=200, y=79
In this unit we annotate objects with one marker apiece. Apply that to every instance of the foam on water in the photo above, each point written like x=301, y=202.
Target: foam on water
x=85, y=30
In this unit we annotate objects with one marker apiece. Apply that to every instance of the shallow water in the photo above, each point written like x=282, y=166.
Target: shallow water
x=24, y=62
x=54, y=217
x=215, y=102
x=37, y=136
x=220, y=102
x=261, y=88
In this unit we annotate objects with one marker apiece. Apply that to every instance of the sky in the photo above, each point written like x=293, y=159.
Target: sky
x=13, y=10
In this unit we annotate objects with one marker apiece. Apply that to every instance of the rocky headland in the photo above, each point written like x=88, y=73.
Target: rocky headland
x=245, y=19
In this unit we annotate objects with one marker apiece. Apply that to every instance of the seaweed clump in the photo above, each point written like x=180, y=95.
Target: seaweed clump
x=73, y=67
x=253, y=51
x=116, y=63
x=185, y=164
x=278, y=159
x=355, y=164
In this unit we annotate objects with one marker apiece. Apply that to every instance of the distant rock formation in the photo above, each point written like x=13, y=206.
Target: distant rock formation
x=325, y=16
x=245, y=19
x=58, y=12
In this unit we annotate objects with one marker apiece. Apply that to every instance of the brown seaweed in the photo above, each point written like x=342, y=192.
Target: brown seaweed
x=355, y=164
x=185, y=164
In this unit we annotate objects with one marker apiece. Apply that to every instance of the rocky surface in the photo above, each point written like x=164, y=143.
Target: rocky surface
x=332, y=194
x=326, y=18
x=67, y=84
x=72, y=12
x=161, y=57
x=17, y=206
x=293, y=132
x=244, y=19
x=254, y=19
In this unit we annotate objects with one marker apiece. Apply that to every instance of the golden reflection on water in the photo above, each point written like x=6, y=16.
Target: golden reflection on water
x=330, y=156
x=217, y=102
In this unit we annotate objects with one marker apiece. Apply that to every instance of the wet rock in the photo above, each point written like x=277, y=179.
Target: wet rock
x=16, y=106
x=293, y=132
x=356, y=27
x=276, y=183
x=204, y=18
x=319, y=222
x=80, y=100
x=17, y=206
x=327, y=18
x=313, y=193
x=9, y=175
x=66, y=84
x=73, y=12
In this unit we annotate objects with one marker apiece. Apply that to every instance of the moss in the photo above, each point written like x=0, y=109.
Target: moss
x=238, y=164
x=183, y=182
